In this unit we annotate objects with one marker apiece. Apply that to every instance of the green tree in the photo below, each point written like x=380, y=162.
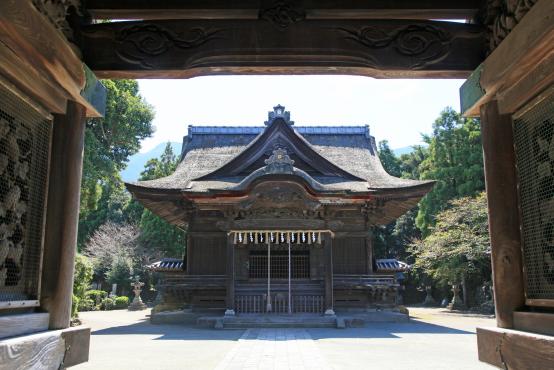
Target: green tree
x=109, y=142
x=457, y=248
x=410, y=162
x=156, y=233
x=82, y=276
x=384, y=243
x=390, y=161
x=121, y=272
x=454, y=160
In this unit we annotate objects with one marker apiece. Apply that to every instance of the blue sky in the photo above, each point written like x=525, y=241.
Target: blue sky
x=396, y=110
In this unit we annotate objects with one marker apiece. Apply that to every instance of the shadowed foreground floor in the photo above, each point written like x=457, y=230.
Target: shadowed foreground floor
x=433, y=339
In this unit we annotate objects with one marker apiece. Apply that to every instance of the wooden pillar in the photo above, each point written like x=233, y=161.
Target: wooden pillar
x=62, y=214
x=504, y=220
x=189, y=254
x=328, y=251
x=369, y=251
x=230, y=270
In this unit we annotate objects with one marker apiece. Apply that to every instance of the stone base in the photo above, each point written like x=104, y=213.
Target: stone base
x=137, y=305
x=339, y=321
x=175, y=317
x=430, y=302
x=456, y=306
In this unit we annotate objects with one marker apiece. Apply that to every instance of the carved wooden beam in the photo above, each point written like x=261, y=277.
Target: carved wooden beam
x=187, y=48
x=311, y=9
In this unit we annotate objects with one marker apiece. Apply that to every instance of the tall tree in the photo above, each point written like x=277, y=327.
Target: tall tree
x=410, y=162
x=455, y=161
x=457, y=247
x=109, y=142
x=156, y=233
x=384, y=243
x=390, y=162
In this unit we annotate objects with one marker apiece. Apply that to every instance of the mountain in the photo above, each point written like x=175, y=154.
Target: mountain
x=136, y=162
x=404, y=150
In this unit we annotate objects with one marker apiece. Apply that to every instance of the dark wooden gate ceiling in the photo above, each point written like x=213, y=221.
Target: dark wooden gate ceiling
x=179, y=39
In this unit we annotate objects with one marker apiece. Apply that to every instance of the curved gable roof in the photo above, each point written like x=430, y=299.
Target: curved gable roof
x=279, y=133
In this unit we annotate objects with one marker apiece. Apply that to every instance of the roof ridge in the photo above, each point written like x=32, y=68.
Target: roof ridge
x=321, y=129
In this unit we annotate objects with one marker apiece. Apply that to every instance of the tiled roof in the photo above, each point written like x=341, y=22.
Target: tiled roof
x=391, y=265
x=167, y=264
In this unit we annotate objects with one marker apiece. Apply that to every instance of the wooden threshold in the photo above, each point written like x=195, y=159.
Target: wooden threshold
x=535, y=322
x=513, y=349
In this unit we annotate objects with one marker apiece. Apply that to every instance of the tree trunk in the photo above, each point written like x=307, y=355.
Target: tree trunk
x=465, y=292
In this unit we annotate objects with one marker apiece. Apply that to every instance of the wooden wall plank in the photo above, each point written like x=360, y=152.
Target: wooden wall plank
x=209, y=255
x=350, y=255
x=187, y=48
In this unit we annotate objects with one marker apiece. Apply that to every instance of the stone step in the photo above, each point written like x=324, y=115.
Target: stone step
x=268, y=321
x=211, y=320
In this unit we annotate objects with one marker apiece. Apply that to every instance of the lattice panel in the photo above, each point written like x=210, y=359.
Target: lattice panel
x=534, y=147
x=24, y=150
x=300, y=264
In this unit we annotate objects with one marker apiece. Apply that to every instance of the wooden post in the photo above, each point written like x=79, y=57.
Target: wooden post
x=189, y=254
x=289, y=277
x=504, y=220
x=328, y=246
x=230, y=270
x=62, y=215
x=369, y=251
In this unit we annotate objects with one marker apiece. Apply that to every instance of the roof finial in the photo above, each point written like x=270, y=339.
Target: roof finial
x=278, y=112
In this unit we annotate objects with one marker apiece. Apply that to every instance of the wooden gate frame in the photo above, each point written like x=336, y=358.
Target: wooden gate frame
x=517, y=75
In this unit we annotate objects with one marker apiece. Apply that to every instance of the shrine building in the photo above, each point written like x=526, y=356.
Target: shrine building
x=279, y=219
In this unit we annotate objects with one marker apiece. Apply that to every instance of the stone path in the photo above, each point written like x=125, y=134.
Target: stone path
x=279, y=349
x=432, y=340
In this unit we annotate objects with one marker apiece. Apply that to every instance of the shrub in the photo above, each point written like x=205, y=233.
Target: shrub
x=120, y=272
x=121, y=302
x=107, y=304
x=82, y=275
x=96, y=295
x=87, y=304
x=74, y=306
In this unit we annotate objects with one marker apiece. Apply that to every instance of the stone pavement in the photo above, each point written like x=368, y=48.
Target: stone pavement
x=433, y=339
x=279, y=349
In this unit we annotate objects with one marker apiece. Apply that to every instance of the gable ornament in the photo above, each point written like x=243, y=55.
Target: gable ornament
x=279, y=162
